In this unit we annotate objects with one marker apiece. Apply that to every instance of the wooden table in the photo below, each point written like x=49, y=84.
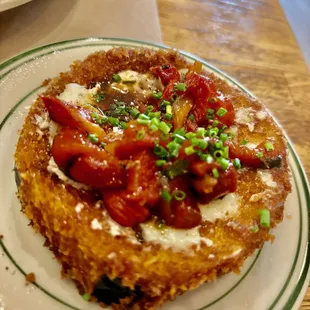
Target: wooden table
x=252, y=41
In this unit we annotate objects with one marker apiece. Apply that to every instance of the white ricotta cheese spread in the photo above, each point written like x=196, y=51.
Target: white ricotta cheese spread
x=220, y=208
x=138, y=82
x=53, y=168
x=266, y=178
x=244, y=116
x=176, y=239
x=78, y=94
x=261, y=115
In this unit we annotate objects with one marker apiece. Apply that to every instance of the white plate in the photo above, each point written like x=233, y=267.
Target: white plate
x=9, y=4
x=274, y=278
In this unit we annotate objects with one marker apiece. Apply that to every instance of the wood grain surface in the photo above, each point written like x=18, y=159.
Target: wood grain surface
x=251, y=41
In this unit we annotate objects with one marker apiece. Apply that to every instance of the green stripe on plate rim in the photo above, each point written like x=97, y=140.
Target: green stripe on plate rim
x=115, y=42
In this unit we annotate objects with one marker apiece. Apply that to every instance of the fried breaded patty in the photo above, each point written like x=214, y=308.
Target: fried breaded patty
x=82, y=238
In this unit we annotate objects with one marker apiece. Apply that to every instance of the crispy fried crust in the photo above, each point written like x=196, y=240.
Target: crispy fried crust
x=160, y=273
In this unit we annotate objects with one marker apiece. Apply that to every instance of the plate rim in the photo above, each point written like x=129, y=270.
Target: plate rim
x=295, y=294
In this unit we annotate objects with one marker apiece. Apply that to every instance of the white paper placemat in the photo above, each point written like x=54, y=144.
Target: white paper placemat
x=41, y=22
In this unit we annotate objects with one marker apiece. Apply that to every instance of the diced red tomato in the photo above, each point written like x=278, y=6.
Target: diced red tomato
x=68, y=114
x=203, y=92
x=250, y=157
x=136, y=139
x=167, y=73
x=143, y=184
x=180, y=213
x=69, y=144
x=226, y=183
x=200, y=167
x=99, y=173
x=124, y=212
x=129, y=206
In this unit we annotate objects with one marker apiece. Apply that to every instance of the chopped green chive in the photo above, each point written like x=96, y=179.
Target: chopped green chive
x=259, y=154
x=202, y=144
x=179, y=195
x=160, y=151
x=254, y=229
x=166, y=195
x=143, y=121
x=99, y=97
x=86, y=297
x=102, y=144
x=158, y=95
x=155, y=114
x=218, y=154
x=269, y=146
x=243, y=142
x=113, y=121
x=180, y=131
x=140, y=135
x=200, y=132
x=103, y=120
x=134, y=112
x=225, y=152
x=168, y=116
x=160, y=162
x=223, y=137
x=219, y=144
x=144, y=116
x=212, y=100
x=165, y=103
x=124, y=125
x=215, y=123
x=164, y=127
x=264, y=217
x=179, y=167
x=189, y=150
x=173, y=148
x=207, y=158
x=93, y=138
x=153, y=127
x=221, y=112
x=215, y=173
x=191, y=117
x=117, y=78
x=94, y=115
x=155, y=121
x=237, y=163
x=190, y=135
x=180, y=87
x=149, y=109
x=210, y=114
x=178, y=138
x=213, y=132
x=169, y=109
x=224, y=163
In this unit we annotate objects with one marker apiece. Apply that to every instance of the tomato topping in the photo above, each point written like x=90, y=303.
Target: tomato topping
x=166, y=73
x=203, y=92
x=166, y=154
x=99, y=173
x=122, y=211
x=129, y=206
x=258, y=157
x=69, y=144
x=136, y=139
x=180, y=213
x=226, y=183
x=68, y=114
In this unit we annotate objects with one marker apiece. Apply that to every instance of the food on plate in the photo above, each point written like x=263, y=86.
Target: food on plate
x=149, y=176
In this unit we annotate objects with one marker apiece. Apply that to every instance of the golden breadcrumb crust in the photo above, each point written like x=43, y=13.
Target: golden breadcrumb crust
x=160, y=273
